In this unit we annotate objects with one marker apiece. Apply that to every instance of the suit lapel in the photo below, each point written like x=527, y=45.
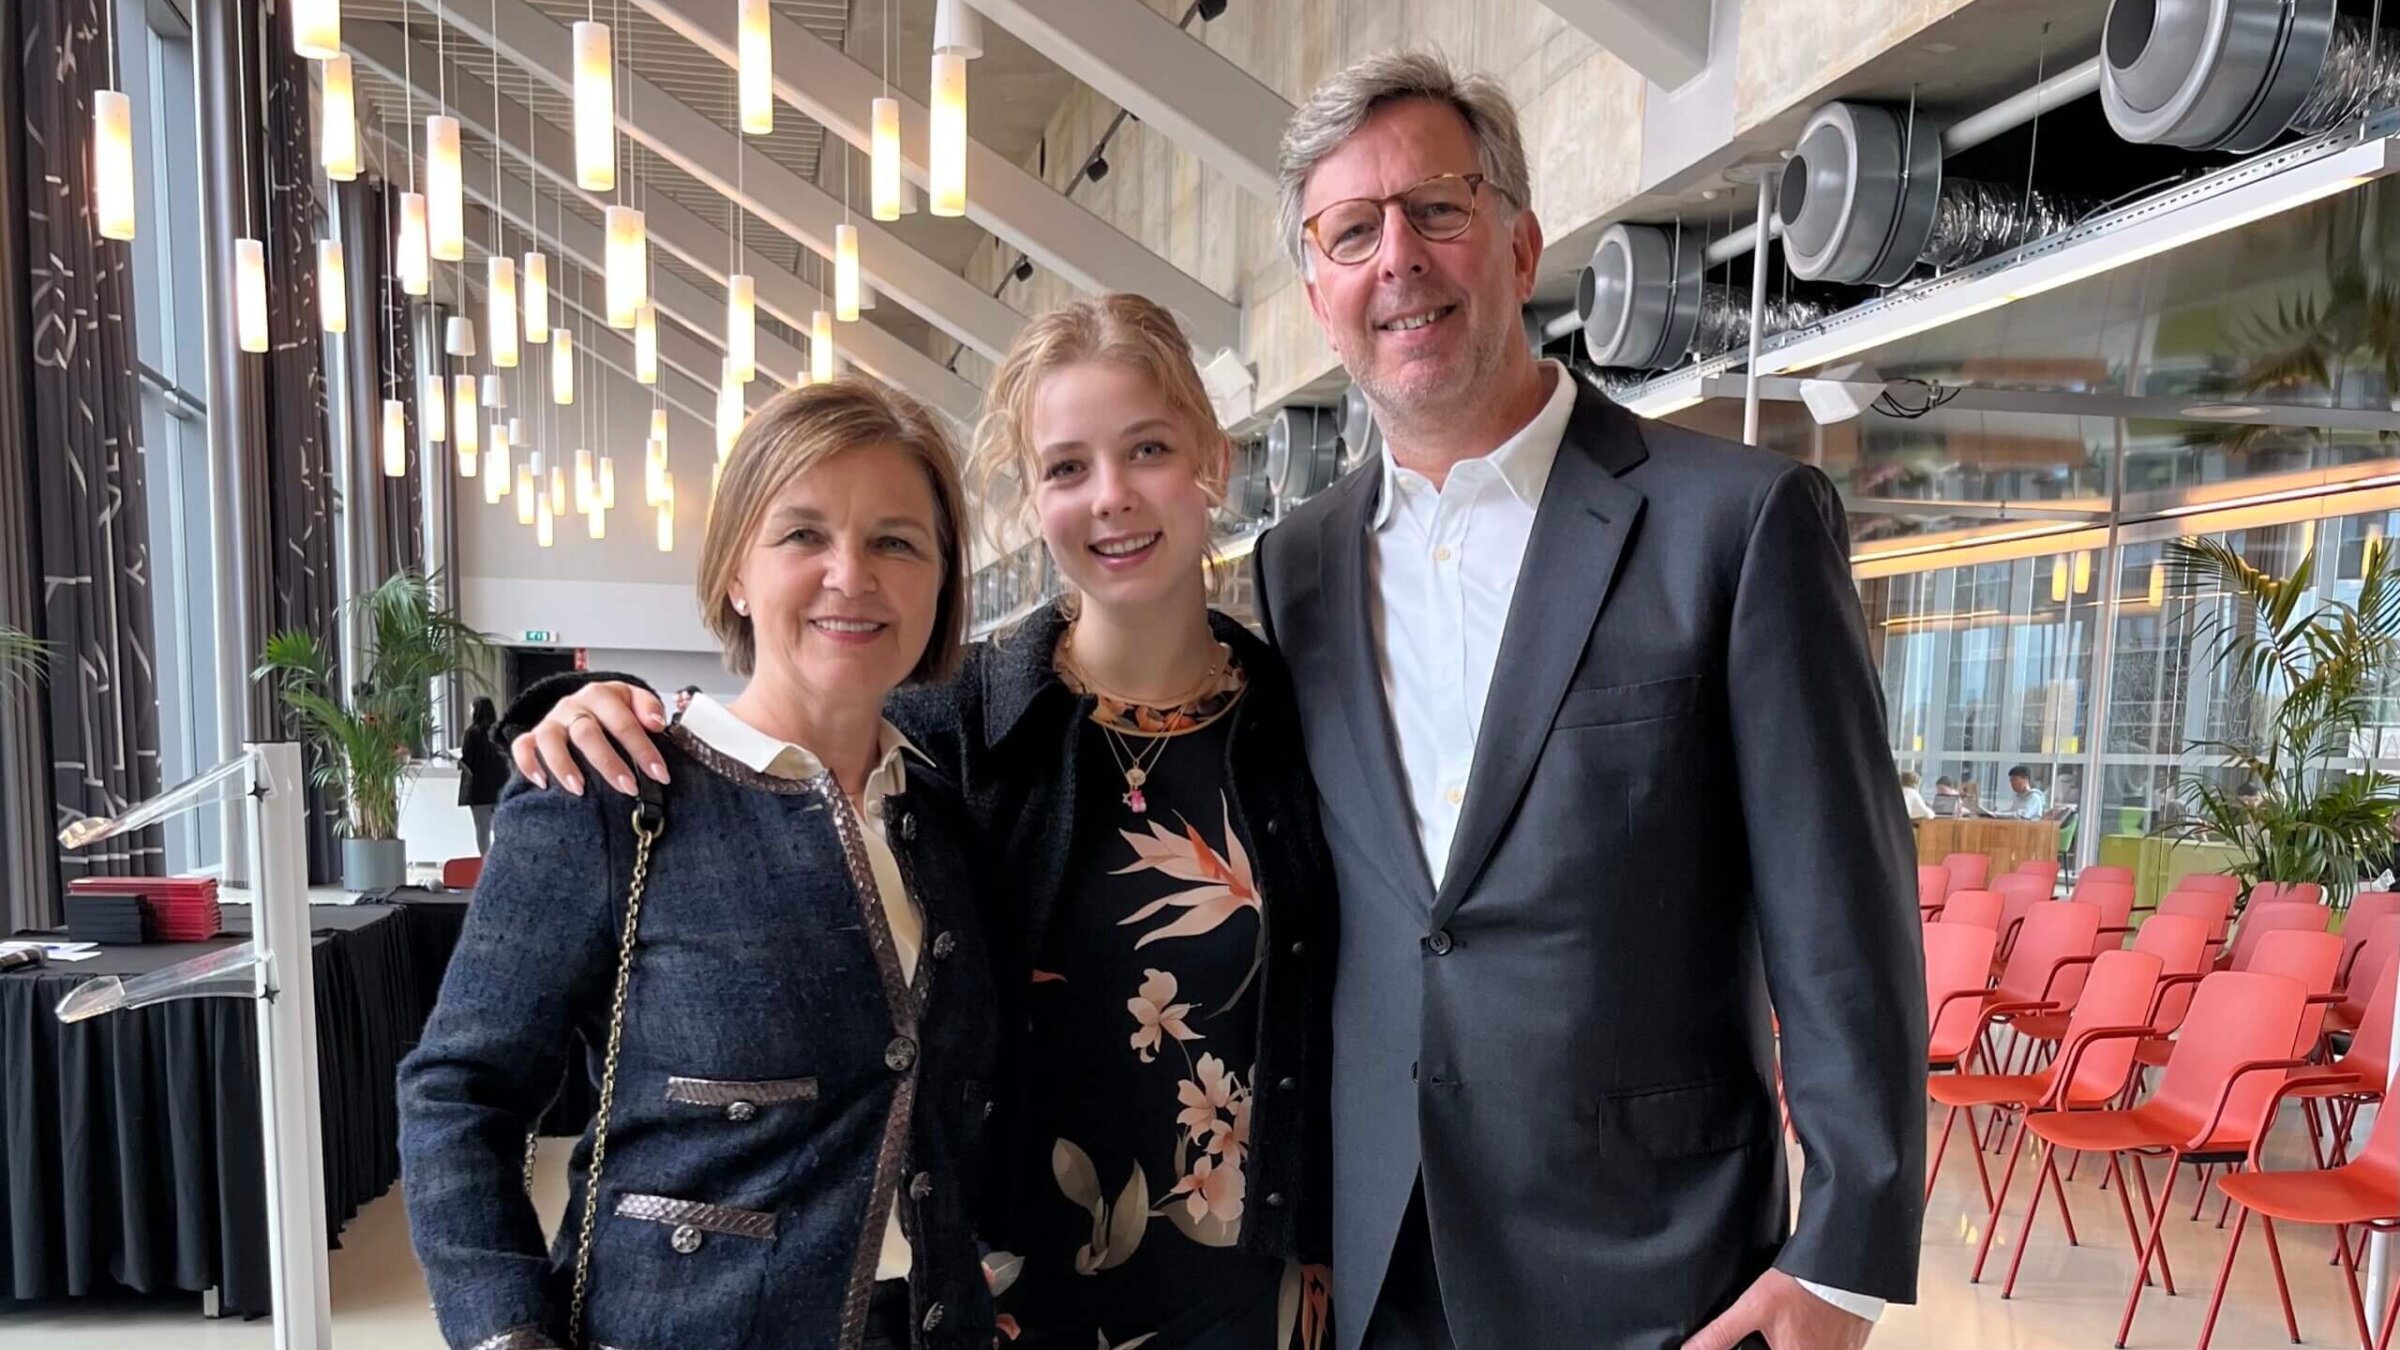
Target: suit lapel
x=1342, y=580
x=1579, y=533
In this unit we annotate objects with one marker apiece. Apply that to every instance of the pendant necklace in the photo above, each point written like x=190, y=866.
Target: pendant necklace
x=1135, y=763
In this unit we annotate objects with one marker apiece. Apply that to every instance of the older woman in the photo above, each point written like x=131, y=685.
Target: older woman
x=777, y=954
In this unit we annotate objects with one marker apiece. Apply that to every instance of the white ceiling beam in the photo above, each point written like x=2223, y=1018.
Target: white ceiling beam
x=776, y=195
x=1665, y=40
x=549, y=150
x=1148, y=65
x=815, y=77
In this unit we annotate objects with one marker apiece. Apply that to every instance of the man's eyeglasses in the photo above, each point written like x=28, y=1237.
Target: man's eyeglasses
x=1439, y=209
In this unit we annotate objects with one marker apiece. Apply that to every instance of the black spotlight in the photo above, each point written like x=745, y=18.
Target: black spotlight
x=1097, y=169
x=1211, y=10
x=1023, y=271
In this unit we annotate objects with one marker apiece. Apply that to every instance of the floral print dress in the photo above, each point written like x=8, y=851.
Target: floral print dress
x=1145, y=1014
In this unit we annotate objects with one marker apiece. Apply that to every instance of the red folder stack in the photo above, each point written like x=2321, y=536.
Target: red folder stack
x=182, y=909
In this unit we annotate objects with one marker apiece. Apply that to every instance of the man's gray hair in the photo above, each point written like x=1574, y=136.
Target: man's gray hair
x=1341, y=105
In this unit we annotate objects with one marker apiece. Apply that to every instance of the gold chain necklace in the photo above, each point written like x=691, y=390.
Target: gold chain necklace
x=1136, y=763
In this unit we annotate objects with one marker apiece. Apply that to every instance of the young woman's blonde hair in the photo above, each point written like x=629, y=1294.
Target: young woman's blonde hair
x=796, y=431
x=1130, y=330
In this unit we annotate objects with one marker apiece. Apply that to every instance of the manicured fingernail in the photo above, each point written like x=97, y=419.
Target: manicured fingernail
x=657, y=769
x=539, y=780
x=574, y=785
x=624, y=782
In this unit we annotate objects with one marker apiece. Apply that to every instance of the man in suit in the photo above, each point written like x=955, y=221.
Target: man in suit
x=1600, y=753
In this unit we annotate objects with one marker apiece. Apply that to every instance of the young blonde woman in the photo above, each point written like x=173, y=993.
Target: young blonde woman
x=777, y=953
x=1164, y=921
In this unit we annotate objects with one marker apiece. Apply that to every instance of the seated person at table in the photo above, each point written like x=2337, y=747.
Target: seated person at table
x=2025, y=801
x=1945, y=796
x=774, y=955
x=1914, y=799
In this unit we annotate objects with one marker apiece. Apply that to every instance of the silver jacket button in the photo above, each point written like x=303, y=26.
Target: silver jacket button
x=920, y=1186
x=944, y=943
x=741, y=1111
x=908, y=827
x=901, y=1054
x=685, y=1239
x=933, y=1317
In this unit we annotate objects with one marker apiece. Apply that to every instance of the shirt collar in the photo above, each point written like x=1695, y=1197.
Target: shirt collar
x=716, y=726
x=1523, y=461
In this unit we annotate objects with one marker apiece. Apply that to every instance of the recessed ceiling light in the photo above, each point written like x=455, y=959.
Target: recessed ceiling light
x=2221, y=411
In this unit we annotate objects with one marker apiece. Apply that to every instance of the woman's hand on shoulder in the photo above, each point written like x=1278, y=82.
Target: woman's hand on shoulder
x=597, y=719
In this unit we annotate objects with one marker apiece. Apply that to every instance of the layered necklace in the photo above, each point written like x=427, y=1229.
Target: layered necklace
x=1137, y=732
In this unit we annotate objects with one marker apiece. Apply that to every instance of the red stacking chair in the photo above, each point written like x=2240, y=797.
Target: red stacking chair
x=2216, y=883
x=2105, y=872
x=1958, y=965
x=2366, y=1191
x=2019, y=893
x=1975, y=909
x=2180, y=942
x=1933, y=890
x=1967, y=870
x=2209, y=1105
x=2260, y=920
x=2367, y=909
x=2114, y=900
x=461, y=874
x=2116, y=993
x=2374, y=959
x=2309, y=958
x=2367, y=1065
x=2214, y=906
x=2283, y=892
x=2031, y=867
x=2046, y=970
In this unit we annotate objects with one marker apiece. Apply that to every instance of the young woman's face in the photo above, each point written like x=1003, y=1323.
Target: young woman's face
x=844, y=576
x=1120, y=485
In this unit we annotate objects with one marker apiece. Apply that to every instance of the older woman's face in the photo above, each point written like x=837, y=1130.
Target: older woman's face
x=844, y=575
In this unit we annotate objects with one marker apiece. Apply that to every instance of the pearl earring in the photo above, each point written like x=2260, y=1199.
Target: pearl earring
x=741, y=607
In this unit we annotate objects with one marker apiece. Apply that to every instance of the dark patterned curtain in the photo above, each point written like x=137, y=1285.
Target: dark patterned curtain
x=89, y=518
x=297, y=509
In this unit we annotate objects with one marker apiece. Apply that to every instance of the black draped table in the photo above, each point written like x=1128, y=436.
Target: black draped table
x=436, y=918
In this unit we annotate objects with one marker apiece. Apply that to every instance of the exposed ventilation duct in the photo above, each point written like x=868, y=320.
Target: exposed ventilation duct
x=1725, y=321
x=1639, y=297
x=1360, y=437
x=1863, y=200
x=1304, y=452
x=1249, y=494
x=2237, y=74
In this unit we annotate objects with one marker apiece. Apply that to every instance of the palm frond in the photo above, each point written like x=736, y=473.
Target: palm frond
x=23, y=657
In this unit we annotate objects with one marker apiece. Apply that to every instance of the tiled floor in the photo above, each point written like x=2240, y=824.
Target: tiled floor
x=2068, y=1298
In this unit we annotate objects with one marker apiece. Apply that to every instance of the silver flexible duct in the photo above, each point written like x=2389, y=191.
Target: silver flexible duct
x=1725, y=321
x=2361, y=76
x=1976, y=220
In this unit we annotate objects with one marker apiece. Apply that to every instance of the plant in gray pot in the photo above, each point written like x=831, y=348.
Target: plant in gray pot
x=362, y=743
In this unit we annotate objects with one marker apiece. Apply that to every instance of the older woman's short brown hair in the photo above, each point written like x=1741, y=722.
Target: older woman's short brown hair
x=796, y=431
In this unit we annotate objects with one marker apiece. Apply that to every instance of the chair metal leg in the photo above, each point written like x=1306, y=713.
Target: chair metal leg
x=2141, y=1176
x=2208, y=1172
x=1983, y=1250
x=2048, y=1170
x=2133, y=1231
x=2158, y=1220
x=2283, y=1287
x=1933, y=1170
x=2216, y=1299
x=2358, y=1304
x=2065, y=1214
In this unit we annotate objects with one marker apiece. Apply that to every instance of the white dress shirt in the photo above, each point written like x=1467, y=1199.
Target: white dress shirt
x=716, y=726
x=1444, y=564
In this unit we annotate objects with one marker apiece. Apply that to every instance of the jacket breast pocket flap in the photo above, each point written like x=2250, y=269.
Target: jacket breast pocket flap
x=740, y=1100
x=1716, y=1116
x=1612, y=704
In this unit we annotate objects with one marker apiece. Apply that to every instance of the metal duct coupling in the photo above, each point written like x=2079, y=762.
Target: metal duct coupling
x=1249, y=495
x=1859, y=194
x=2237, y=74
x=1639, y=298
x=1360, y=438
x=1976, y=220
x=1304, y=450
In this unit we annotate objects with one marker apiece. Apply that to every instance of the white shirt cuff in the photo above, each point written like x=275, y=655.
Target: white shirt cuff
x=1865, y=1306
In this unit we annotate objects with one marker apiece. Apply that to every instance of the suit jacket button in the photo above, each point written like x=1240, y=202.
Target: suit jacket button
x=933, y=1317
x=1274, y=1199
x=920, y=1186
x=908, y=827
x=944, y=943
x=1271, y=825
x=738, y=1112
x=1299, y=949
x=685, y=1239
x=1439, y=944
x=901, y=1055
x=1288, y=1084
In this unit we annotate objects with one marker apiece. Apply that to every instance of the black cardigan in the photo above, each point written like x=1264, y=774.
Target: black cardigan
x=1006, y=729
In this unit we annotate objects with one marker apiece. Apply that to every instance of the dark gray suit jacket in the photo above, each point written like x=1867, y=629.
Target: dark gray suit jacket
x=1681, y=804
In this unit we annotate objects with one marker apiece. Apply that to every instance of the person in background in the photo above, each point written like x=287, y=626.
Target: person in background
x=2025, y=802
x=482, y=771
x=779, y=949
x=1913, y=799
x=1945, y=796
x=683, y=698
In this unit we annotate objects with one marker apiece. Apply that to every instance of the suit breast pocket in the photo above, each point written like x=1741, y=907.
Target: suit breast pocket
x=1606, y=705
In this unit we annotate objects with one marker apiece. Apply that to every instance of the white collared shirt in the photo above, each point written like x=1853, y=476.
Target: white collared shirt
x=1445, y=564
x=716, y=726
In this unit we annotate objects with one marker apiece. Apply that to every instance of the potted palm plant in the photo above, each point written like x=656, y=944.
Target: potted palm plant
x=364, y=738
x=2278, y=796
